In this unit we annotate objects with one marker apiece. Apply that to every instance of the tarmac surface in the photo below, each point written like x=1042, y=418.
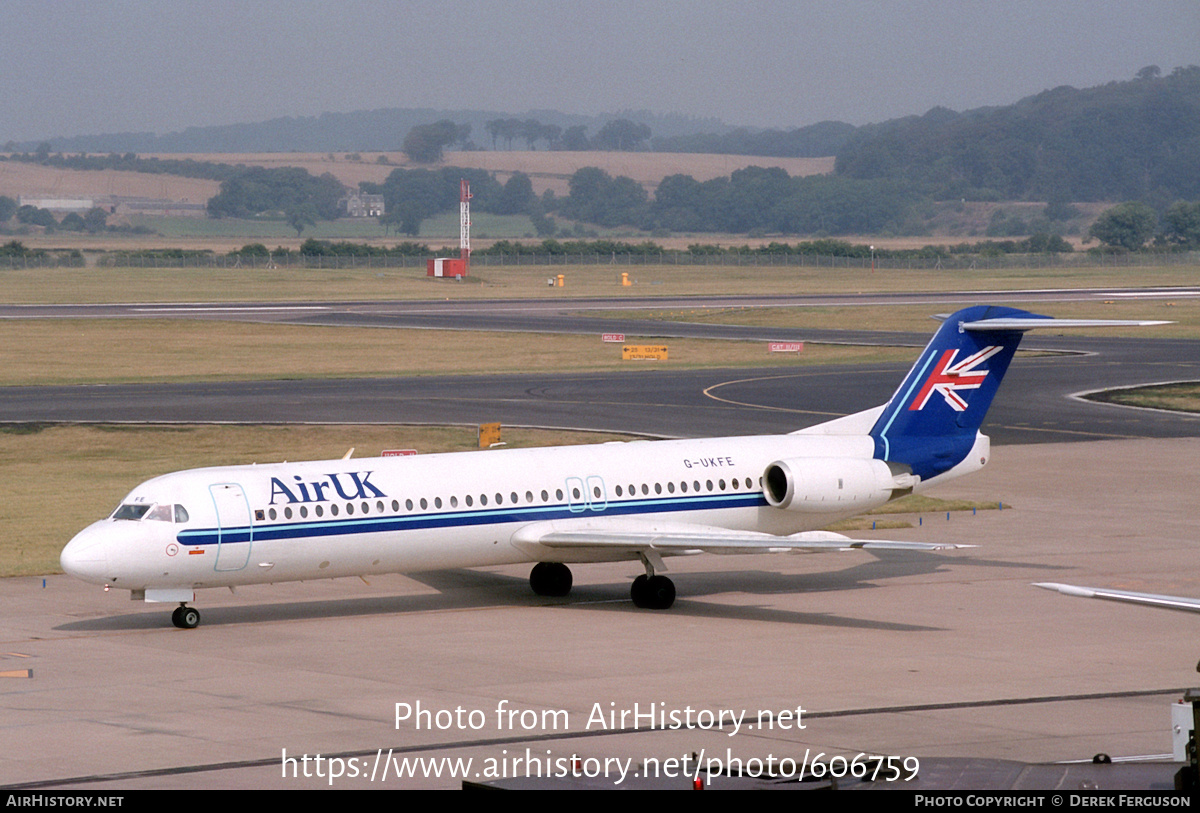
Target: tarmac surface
x=918, y=656
x=912, y=655
x=1037, y=402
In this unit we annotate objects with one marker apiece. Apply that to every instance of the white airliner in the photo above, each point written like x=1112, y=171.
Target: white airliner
x=640, y=500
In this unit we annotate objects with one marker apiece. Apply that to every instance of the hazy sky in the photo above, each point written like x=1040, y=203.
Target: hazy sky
x=74, y=68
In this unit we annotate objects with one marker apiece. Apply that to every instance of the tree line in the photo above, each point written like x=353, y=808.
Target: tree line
x=425, y=143
x=1134, y=140
x=94, y=220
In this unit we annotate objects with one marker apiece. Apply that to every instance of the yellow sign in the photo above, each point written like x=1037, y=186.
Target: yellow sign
x=489, y=435
x=644, y=351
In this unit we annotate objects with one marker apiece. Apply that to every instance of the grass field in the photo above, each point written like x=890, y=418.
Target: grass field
x=436, y=230
x=119, y=351
x=50, y=285
x=1184, y=313
x=1181, y=397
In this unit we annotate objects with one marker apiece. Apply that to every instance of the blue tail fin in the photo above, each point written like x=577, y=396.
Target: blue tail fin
x=931, y=421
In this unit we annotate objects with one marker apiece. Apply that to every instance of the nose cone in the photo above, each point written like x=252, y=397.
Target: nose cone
x=84, y=556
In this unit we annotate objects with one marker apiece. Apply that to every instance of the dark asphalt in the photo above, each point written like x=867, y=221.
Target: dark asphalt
x=1035, y=403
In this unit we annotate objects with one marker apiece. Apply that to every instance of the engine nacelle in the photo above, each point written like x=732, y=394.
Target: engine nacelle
x=834, y=484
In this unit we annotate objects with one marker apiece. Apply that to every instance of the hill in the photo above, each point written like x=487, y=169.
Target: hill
x=1138, y=139
x=373, y=130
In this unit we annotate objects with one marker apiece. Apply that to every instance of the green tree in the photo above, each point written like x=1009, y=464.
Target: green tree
x=622, y=134
x=1127, y=225
x=33, y=216
x=72, y=222
x=302, y=216
x=424, y=143
x=8, y=208
x=517, y=196
x=575, y=139
x=1181, y=224
x=96, y=220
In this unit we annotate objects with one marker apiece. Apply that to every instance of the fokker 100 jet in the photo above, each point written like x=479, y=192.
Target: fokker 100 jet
x=639, y=500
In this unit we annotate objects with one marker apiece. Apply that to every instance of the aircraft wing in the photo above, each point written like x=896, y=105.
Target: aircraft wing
x=1191, y=605
x=683, y=538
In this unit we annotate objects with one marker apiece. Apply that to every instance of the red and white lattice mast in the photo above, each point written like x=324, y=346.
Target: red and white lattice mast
x=464, y=225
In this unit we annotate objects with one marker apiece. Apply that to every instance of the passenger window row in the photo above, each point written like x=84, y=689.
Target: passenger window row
x=513, y=498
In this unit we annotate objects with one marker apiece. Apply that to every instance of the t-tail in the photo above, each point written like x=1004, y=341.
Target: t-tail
x=932, y=421
x=931, y=424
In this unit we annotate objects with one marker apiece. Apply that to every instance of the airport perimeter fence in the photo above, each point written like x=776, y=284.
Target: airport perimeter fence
x=14, y=261
x=663, y=260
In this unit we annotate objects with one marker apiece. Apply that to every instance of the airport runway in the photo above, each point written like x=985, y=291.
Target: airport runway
x=555, y=313
x=1035, y=403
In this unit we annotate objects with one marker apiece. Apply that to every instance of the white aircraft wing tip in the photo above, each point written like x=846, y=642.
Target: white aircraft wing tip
x=1066, y=589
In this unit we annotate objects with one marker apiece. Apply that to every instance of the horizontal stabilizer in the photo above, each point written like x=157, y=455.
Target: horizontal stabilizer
x=1040, y=322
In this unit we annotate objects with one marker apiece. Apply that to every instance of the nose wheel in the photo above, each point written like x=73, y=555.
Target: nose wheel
x=185, y=617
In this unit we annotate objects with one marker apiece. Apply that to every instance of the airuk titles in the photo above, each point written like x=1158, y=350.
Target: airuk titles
x=352, y=485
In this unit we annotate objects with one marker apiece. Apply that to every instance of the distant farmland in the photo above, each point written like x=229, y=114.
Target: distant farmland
x=547, y=170
x=20, y=178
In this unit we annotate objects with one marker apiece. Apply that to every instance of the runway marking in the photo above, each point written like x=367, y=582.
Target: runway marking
x=231, y=308
x=1154, y=294
x=707, y=392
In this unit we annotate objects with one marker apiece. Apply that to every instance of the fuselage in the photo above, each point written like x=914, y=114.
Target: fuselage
x=290, y=521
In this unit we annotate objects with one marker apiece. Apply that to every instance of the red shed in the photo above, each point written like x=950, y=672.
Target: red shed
x=446, y=267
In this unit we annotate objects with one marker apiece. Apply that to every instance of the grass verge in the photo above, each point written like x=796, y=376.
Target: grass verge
x=94, y=351
x=99, y=284
x=1183, y=396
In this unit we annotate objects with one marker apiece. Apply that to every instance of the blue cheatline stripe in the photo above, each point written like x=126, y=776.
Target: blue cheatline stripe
x=898, y=403
x=461, y=519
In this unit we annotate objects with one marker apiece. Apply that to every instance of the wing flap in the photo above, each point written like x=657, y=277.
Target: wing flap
x=683, y=538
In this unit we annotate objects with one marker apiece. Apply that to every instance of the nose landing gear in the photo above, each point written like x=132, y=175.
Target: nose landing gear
x=185, y=617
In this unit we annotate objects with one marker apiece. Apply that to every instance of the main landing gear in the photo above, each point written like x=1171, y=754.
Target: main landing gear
x=550, y=579
x=185, y=617
x=650, y=592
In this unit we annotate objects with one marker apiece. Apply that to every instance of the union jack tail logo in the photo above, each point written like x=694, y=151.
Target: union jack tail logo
x=948, y=378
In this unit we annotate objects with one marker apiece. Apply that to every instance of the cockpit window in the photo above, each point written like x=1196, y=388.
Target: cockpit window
x=154, y=513
x=161, y=513
x=131, y=511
